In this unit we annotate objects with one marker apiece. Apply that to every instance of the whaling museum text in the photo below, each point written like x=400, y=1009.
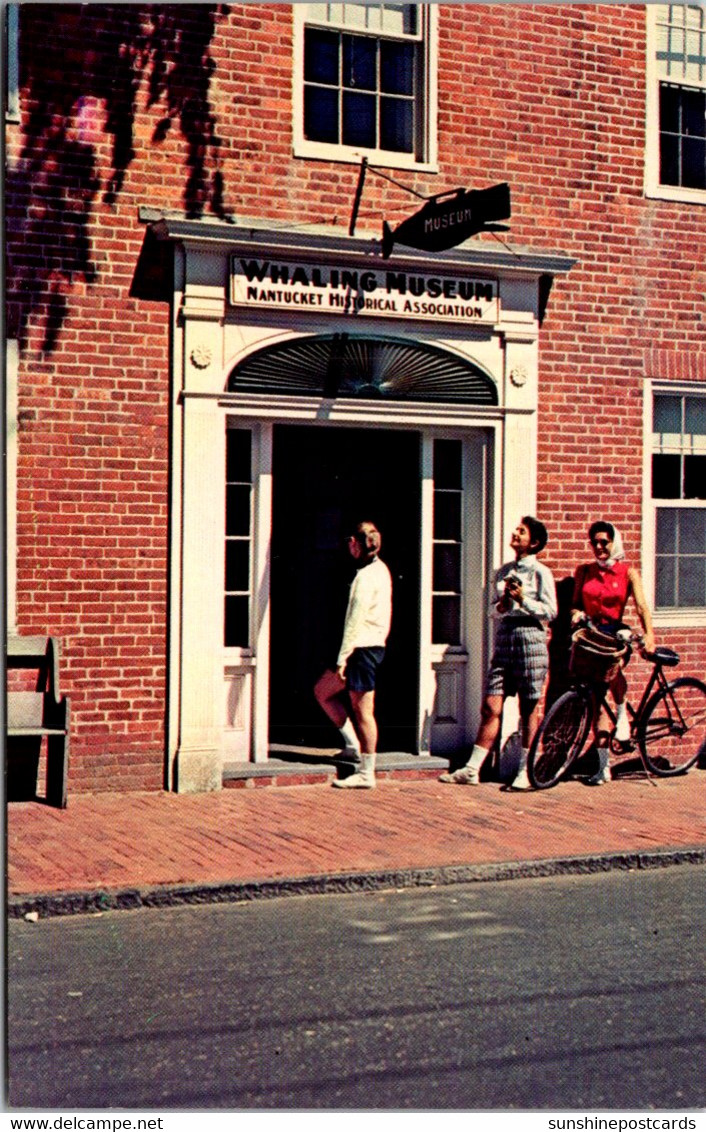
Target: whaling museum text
x=362, y=292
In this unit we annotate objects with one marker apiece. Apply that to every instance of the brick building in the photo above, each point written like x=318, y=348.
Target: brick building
x=208, y=374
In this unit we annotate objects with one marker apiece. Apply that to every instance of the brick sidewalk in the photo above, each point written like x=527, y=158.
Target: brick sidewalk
x=114, y=841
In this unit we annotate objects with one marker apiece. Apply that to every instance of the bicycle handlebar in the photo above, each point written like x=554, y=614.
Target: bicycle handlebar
x=629, y=637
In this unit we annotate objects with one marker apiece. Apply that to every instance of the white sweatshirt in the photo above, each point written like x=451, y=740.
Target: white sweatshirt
x=369, y=611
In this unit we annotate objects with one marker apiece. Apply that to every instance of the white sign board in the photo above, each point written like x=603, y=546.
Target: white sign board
x=385, y=293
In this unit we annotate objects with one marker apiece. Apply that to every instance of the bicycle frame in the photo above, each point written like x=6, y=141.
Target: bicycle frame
x=599, y=695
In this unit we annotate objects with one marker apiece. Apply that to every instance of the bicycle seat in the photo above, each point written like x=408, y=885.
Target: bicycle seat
x=668, y=658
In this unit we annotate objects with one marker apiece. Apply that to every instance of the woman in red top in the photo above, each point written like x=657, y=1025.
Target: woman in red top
x=602, y=589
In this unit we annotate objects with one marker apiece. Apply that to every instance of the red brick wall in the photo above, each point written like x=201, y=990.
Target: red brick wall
x=189, y=107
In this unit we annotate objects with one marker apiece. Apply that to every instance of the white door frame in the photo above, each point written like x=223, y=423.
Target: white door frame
x=261, y=413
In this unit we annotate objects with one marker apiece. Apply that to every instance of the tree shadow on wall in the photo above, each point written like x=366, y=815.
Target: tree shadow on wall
x=89, y=81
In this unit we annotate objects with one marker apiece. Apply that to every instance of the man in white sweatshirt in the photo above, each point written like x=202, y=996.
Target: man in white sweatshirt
x=352, y=683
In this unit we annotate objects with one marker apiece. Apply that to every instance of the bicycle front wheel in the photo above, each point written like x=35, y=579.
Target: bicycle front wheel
x=672, y=733
x=559, y=739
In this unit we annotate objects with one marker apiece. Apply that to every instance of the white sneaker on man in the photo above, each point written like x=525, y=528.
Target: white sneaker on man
x=464, y=776
x=363, y=779
x=521, y=780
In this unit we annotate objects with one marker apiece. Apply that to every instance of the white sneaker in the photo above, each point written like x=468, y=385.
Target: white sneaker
x=600, y=777
x=603, y=774
x=521, y=780
x=361, y=780
x=464, y=776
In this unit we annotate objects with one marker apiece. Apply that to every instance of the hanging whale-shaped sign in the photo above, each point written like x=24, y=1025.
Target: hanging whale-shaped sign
x=449, y=218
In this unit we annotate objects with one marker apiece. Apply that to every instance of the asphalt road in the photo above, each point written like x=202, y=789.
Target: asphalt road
x=563, y=993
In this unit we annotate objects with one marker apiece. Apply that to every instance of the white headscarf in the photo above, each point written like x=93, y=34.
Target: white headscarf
x=618, y=549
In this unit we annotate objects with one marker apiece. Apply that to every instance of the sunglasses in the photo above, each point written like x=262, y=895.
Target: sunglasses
x=601, y=541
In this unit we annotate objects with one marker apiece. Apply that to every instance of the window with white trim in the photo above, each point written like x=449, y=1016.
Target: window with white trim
x=12, y=83
x=679, y=500
x=238, y=555
x=676, y=103
x=447, y=570
x=364, y=83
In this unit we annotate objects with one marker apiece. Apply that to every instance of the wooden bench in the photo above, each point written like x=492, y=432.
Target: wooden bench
x=36, y=715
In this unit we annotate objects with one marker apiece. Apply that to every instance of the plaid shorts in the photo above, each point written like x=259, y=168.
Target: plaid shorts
x=520, y=662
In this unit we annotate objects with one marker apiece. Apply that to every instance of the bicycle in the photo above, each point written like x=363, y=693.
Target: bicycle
x=668, y=727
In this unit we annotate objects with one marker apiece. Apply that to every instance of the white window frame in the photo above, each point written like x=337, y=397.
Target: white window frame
x=302, y=147
x=652, y=186
x=673, y=617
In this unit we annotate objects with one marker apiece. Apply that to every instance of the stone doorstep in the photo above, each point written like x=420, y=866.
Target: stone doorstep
x=307, y=766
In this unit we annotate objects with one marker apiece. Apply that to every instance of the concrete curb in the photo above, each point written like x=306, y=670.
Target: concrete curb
x=163, y=896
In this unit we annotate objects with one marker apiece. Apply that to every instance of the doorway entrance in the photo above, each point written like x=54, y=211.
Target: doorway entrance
x=324, y=481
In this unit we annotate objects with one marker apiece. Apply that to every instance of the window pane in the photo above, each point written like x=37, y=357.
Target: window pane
x=693, y=105
x=676, y=52
x=666, y=477
x=447, y=515
x=695, y=416
x=667, y=414
x=355, y=15
x=693, y=163
x=397, y=125
x=447, y=567
x=238, y=444
x=692, y=582
x=359, y=120
x=321, y=56
x=359, y=62
x=237, y=564
x=446, y=621
x=236, y=622
x=695, y=61
x=666, y=530
x=238, y=509
x=320, y=114
x=669, y=105
x=665, y=596
x=400, y=18
x=669, y=171
x=397, y=68
x=695, y=477
x=692, y=532
x=447, y=464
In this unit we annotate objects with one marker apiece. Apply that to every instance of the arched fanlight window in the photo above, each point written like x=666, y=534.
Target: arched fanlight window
x=347, y=365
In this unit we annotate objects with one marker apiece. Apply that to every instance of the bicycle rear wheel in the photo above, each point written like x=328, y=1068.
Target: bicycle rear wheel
x=672, y=733
x=559, y=739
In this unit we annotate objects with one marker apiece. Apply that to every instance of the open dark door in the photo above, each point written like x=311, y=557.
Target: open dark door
x=325, y=479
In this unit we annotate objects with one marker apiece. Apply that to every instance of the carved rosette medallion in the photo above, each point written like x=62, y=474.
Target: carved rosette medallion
x=201, y=356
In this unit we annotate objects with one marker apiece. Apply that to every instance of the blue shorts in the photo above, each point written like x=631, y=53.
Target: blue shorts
x=361, y=669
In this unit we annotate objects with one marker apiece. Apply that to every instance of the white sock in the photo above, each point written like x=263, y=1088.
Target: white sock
x=350, y=738
x=622, y=723
x=478, y=757
x=523, y=759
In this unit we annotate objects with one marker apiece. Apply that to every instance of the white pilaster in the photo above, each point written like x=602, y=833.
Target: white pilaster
x=202, y=554
x=261, y=594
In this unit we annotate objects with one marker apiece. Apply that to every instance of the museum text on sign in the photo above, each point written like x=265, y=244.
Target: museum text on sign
x=362, y=291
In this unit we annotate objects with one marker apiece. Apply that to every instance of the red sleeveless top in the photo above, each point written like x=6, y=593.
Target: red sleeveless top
x=604, y=593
